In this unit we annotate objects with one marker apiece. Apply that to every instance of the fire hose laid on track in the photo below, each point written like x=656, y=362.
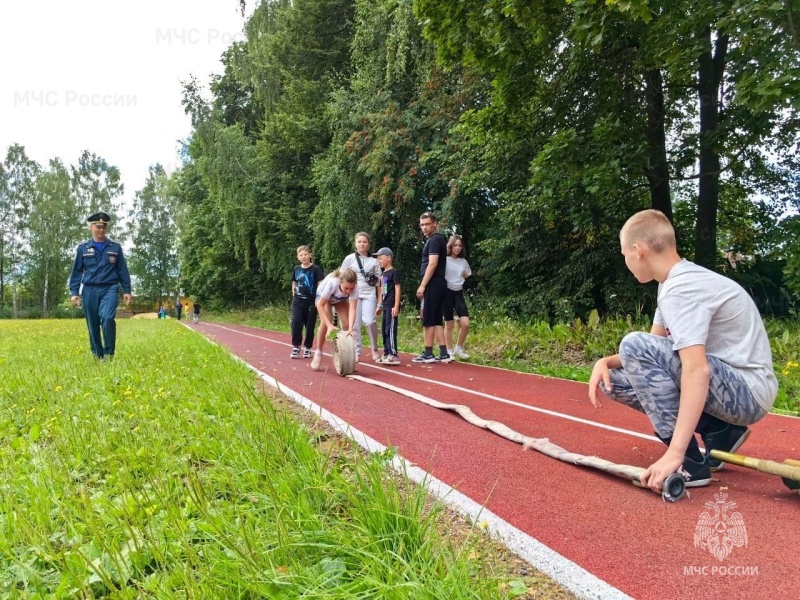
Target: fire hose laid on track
x=673, y=488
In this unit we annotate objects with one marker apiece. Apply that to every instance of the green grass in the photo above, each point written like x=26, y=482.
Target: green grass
x=566, y=350
x=164, y=473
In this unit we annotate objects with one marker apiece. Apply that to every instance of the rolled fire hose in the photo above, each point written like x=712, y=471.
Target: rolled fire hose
x=344, y=354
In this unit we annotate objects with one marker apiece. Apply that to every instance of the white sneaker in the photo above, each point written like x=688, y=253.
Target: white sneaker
x=459, y=353
x=316, y=361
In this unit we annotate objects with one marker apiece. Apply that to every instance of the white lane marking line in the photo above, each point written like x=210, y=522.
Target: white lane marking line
x=552, y=413
x=568, y=574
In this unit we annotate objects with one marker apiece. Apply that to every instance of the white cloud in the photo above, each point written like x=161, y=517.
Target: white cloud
x=106, y=77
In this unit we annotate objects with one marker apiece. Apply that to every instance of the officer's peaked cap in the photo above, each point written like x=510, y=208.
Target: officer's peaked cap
x=99, y=217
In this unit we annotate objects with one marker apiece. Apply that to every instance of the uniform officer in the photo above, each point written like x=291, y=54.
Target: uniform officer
x=100, y=267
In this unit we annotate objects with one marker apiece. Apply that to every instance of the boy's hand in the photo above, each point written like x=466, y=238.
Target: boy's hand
x=395, y=312
x=600, y=373
x=379, y=310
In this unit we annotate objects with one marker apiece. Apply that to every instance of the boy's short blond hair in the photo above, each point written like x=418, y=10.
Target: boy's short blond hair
x=651, y=227
x=306, y=248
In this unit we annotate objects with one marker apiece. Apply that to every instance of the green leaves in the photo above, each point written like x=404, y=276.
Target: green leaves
x=153, y=231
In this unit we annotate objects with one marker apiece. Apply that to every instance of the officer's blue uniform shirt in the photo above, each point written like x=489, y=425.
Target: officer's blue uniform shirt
x=99, y=264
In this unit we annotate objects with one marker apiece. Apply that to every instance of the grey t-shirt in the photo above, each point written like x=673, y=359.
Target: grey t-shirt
x=699, y=307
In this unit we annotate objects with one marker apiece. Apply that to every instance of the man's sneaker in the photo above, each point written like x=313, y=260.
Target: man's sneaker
x=380, y=360
x=295, y=352
x=728, y=440
x=390, y=360
x=316, y=361
x=459, y=353
x=307, y=353
x=424, y=358
x=699, y=472
x=444, y=358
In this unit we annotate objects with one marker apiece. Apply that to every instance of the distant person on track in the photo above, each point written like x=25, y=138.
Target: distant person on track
x=97, y=274
x=705, y=366
x=178, y=310
x=306, y=278
x=196, y=313
x=338, y=291
x=369, y=278
x=456, y=272
x=432, y=290
x=390, y=306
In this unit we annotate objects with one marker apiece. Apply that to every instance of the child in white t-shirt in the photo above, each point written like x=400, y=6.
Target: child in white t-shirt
x=337, y=289
x=368, y=285
x=456, y=271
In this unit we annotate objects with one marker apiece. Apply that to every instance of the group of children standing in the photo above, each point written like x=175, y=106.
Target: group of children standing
x=363, y=287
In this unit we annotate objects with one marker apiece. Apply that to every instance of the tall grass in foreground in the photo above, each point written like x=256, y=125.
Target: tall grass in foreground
x=566, y=350
x=164, y=474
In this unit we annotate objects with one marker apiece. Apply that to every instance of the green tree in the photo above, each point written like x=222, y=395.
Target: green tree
x=393, y=139
x=594, y=103
x=254, y=143
x=16, y=196
x=153, y=233
x=96, y=185
x=55, y=225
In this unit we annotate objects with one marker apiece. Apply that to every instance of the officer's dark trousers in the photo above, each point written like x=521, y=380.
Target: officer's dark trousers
x=100, y=308
x=304, y=314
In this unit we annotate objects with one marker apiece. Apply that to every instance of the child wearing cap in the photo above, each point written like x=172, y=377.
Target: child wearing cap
x=390, y=305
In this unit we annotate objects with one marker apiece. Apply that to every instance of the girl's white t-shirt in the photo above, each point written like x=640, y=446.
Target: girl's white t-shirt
x=456, y=270
x=330, y=291
x=370, y=265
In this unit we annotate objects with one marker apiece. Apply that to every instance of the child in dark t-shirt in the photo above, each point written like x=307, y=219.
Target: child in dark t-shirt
x=305, y=279
x=390, y=305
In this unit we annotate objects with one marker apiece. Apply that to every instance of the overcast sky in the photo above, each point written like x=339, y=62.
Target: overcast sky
x=106, y=77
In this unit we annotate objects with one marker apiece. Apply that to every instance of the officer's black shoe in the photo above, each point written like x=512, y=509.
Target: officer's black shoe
x=727, y=439
x=699, y=472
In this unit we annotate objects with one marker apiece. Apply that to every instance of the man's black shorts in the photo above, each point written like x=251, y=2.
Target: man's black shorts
x=433, y=309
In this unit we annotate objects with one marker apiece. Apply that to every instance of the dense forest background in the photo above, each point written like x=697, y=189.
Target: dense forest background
x=532, y=129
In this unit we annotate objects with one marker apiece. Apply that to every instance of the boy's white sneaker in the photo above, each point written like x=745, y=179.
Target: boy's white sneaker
x=316, y=361
x=459, y=353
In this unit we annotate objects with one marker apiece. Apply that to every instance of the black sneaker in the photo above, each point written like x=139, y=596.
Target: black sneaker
x=699, y=472
x=728, y=440
x=424, y=358
x=444, y=358
x=307, y=353
x=295, y=352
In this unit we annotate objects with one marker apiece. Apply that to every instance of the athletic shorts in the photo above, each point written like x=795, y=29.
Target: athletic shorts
x=454, y=304
x=433, y=307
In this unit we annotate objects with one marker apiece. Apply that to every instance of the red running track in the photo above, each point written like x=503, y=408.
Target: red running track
x=625, y=536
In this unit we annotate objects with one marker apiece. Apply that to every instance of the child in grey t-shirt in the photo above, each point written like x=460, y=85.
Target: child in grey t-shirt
x=705, y=366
